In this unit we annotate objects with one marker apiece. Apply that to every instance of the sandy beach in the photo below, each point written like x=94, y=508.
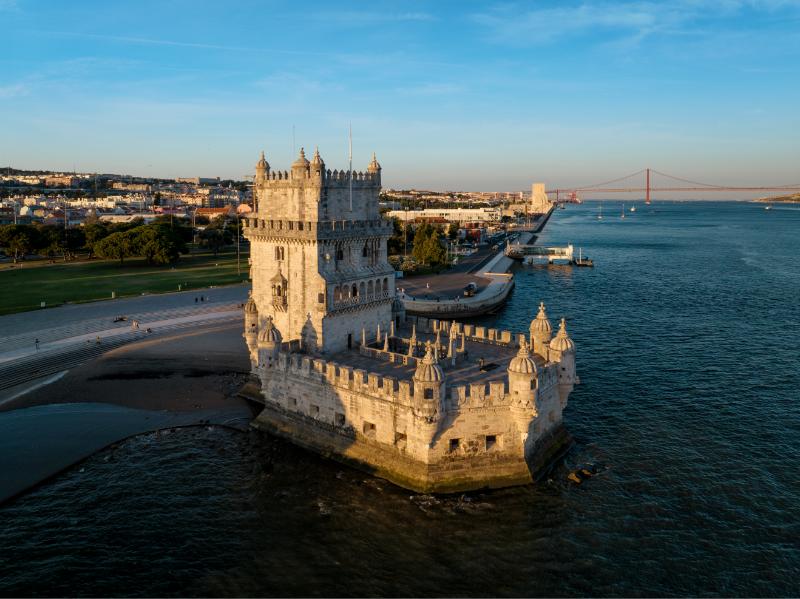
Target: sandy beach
x=184, y=371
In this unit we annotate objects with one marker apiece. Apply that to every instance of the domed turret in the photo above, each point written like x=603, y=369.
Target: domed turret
x=269, y=344
x=522, y=363
x=562, y=350
x=374, y=166
x=262, y=168
x=562, y=342
x=428, y=369
x=262, y=163
x=301, y=161
x=269, y=335
x=541, y=331
x=317, y=160
x=251, y=329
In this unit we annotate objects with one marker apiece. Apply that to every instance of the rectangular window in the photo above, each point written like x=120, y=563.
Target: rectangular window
x=369, y=430
x=491, y=442
x=292, y=402
x=400, y=440
x=321, y=298
x=315, y=411
x=339, y=419
x=455, y=445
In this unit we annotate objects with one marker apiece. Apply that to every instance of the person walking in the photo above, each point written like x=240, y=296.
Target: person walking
x=36, y=343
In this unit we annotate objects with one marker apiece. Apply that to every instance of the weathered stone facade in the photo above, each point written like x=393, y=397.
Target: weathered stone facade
x=430, y=405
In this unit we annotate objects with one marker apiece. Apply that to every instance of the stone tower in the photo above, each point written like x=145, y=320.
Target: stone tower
x=318, y=253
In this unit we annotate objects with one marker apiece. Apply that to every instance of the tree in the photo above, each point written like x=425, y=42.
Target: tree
x=18, y=240
x=452, y=231
x=94, y=233
x=117, y=246
x=212, y=239
x=428, y=248
x=396, y=242
x=157, y=243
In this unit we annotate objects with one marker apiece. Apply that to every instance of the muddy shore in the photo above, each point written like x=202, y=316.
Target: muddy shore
x=186, y=371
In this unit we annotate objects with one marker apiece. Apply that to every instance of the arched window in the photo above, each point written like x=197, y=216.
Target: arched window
x=361, y=290
x=370, y=289
x=354, y=291
x=386, y=285
x=337, y=293
x=279, y=255
x=364, y=251
x=340, y=254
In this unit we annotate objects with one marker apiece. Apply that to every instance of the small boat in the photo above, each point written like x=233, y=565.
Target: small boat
x=623, y=210
x=633, y=208
x=600, y=215
x=768, y=207
x=581, y=261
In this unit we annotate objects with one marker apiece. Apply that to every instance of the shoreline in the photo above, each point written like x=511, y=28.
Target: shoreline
x=147, y=386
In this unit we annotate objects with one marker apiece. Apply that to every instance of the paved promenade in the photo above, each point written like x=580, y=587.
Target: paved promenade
x=58, y=327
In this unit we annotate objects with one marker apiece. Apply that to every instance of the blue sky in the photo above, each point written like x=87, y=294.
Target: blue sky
x=451, y=95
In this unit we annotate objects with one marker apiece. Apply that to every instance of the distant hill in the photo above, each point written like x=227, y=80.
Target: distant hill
x=790, y=199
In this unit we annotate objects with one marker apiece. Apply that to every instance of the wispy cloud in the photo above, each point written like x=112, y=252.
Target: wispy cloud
x=176, y=43
x=631, y=21
x=431, y=89
x=14, y=90
x=360, y=18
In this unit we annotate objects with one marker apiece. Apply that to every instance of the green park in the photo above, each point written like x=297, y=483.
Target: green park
x=25, y=287
x=45, y=267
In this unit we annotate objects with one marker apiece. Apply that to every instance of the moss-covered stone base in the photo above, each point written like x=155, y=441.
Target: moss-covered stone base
x=457, y=474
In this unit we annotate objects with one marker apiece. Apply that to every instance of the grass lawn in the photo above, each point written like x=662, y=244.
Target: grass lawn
x=25, y=288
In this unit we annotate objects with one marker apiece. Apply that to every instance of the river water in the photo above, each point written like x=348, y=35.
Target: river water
x=688, y=331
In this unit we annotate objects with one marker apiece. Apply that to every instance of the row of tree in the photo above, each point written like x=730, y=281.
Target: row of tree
x=160, y=242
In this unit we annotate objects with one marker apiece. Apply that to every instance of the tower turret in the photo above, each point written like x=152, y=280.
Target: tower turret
x=317, y=165
x=562, y=350
x=541, y=331
x=428, y=385
x=251, y=329
x=300, y=167
x=262, y=168
x=374, y=168
x=269, y=344
x=522, y=375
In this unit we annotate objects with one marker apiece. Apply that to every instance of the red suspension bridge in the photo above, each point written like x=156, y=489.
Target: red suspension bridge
x=571, y=194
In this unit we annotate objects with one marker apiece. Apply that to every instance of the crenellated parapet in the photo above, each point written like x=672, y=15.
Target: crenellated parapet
x=315, y=230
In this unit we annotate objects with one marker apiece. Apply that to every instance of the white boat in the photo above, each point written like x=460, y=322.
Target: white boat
x=633, y=208
x=600, y=215
x=768, y=207
x=623, y=210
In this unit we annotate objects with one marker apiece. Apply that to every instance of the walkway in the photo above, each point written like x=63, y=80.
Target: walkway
x=63, y=346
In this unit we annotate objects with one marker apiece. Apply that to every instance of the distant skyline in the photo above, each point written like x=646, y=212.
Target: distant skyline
x=478, y=96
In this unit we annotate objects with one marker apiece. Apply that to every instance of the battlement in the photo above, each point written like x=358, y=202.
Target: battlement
x=315, y=230
x=327, y=177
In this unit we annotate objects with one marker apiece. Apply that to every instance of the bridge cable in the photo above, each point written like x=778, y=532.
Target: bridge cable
x=652, y=170
x=607, y=182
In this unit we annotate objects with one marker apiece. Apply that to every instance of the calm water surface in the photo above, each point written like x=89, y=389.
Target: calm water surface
x=688, y=332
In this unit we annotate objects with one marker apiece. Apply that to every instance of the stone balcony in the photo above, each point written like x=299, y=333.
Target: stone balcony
x=359, y=300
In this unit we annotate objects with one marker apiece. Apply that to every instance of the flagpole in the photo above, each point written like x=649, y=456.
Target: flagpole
x=351, y=166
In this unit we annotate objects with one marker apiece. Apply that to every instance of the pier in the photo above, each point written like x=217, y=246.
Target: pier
x=441, y=296
x=529, y=253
